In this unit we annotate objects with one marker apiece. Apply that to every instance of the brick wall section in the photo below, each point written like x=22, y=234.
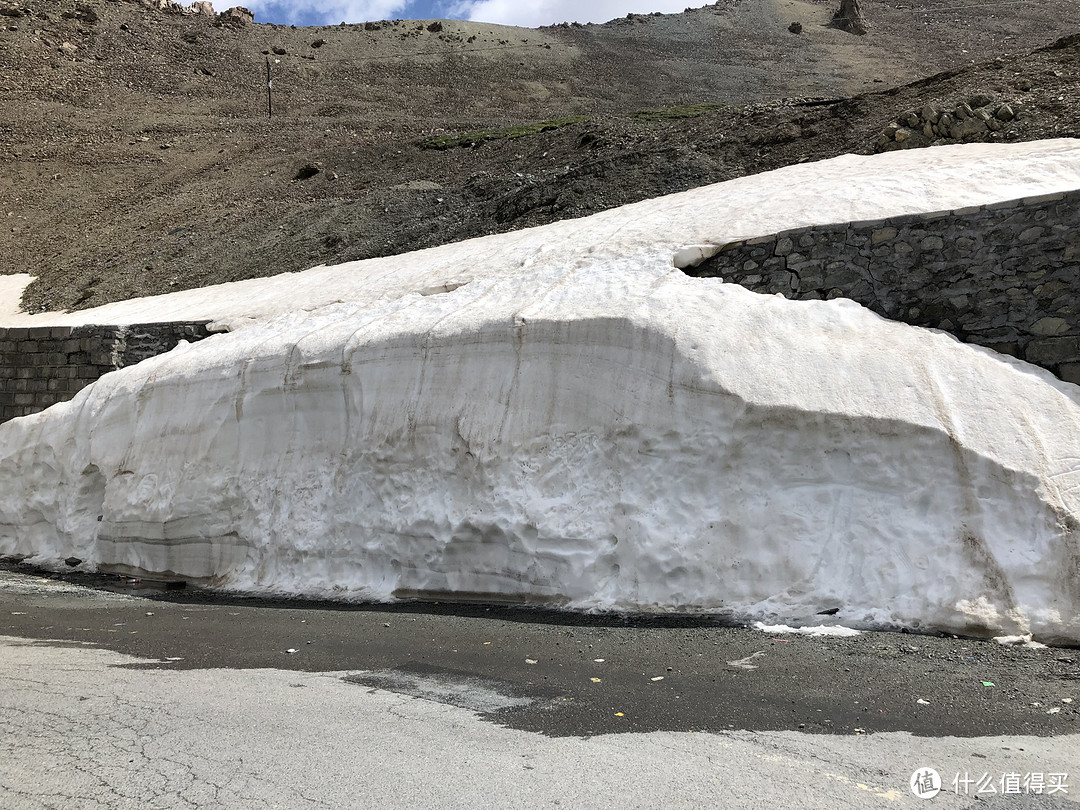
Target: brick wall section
x=1004, y=276
x=40, y=366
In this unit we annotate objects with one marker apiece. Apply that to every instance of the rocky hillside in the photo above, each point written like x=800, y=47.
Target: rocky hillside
x=138, y=156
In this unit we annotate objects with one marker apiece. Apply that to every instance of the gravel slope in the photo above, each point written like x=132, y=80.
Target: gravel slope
x=138, y=159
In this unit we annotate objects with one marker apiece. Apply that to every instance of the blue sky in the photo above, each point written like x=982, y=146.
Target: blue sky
x=529, y=13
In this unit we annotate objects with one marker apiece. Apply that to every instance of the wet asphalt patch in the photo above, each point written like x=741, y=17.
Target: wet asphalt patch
x=466, y=690
x=566, y=674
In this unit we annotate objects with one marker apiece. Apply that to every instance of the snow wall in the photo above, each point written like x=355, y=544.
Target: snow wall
x=588, y=427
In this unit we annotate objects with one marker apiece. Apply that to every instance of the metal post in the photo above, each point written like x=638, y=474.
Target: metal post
x=269, y=89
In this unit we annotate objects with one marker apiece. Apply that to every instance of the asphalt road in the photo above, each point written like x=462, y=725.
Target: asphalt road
x=177, y=699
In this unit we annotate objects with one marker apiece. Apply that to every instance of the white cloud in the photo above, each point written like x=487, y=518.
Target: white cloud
x=530, y=13
x=323, y=12
x=548, y=12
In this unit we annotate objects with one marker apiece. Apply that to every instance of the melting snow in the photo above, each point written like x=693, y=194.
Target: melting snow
x=559, y=415
x=819, y=630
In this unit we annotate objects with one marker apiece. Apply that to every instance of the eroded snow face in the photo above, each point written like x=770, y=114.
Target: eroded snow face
x=599, y=434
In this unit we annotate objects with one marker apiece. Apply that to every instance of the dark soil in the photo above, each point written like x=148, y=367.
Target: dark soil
x=138, y=158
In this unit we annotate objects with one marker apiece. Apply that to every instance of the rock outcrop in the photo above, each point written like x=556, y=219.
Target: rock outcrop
x=974, y=119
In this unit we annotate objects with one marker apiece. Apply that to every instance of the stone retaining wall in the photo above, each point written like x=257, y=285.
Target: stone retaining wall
x=40, y=366
x=1004, y=276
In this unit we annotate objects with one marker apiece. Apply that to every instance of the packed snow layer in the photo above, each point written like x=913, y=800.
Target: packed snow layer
x=572, y=420
x=816, y=630
x=11, y=290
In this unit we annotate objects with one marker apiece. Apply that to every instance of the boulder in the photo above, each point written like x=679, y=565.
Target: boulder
x=308, y=170
x=237, y=15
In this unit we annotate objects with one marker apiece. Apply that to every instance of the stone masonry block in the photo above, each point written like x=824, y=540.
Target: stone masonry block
x=1052, y=351
x=883, y=235
x=1043, y=199
x=1070, y=372
x=1049, y=326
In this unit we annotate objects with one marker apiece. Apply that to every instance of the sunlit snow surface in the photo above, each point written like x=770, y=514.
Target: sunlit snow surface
x=559, y=415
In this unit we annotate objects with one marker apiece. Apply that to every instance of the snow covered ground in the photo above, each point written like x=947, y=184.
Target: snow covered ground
x=560, y=415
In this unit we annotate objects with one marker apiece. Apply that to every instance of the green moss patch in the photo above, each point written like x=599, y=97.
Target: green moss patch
x=508, y=134
x=679, y=111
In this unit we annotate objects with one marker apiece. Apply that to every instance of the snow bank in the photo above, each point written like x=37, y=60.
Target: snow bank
x=11, y=290
x=818, y=630
x=1019, y=641
x=560, y=416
